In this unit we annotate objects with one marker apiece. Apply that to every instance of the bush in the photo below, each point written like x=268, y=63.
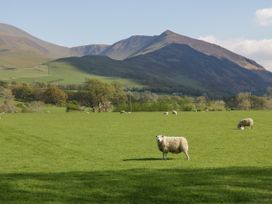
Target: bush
x=73, y=106
x=23, y=93
x=8, y=107
x=35, y=106
x=54, y=95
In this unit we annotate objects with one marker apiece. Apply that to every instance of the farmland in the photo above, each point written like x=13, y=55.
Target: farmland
x=79, y=157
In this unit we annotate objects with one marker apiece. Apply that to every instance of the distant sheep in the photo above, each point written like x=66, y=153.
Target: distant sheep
x=165, y=113
x=174, y=112
x=172, y=144
x=245, y=122
x=122, y=112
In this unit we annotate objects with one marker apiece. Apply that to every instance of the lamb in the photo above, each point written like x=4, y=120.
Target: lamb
x=174, y=112
x=245, y=122
x=165, y=113
x=172, y=144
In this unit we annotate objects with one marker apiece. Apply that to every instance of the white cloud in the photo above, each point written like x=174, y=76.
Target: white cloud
x=264, y=16
x=258, y=50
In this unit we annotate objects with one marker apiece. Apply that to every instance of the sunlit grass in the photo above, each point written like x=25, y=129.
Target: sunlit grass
x=61, y=157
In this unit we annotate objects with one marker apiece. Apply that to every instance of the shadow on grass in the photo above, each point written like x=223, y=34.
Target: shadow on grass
x=146, y=159
x=222, y=185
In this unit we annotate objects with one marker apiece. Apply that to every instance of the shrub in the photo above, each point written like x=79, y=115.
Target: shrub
x=23, y=92
x=54, y=95
x=8, y=107
x=35, y=106
x=73, y=106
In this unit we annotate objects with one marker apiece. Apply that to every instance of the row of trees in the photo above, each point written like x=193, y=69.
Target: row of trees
x=247, y=101
x=101, y=97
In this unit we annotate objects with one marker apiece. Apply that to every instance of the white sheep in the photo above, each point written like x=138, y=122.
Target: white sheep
x=172, y=144
x=245, y=122
x=174, y=112
x=165, y=113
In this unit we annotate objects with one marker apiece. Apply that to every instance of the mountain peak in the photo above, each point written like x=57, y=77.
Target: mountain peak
x=168, y=32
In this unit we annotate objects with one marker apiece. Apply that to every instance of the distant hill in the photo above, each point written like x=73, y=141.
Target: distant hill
x=128, y=47
x=88, y=50
x=178, y=68
x=140, y=45
x=168, y=62
x=20, y=49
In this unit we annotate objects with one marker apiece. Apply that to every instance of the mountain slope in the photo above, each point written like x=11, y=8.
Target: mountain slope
x=178, y=68
x=126, y=48
x=14, y=38
x=140, y=45
x=95, y=49
x=20, y=49
x=169, y=37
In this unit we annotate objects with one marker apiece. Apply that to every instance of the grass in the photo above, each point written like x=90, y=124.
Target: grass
x=58, y=157
x=58, y=73
x=20, y=59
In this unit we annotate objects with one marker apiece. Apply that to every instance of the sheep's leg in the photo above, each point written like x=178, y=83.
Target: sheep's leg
x=164, y=156
x=187, y=155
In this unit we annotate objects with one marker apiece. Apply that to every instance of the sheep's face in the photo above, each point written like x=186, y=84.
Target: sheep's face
x=159, y=138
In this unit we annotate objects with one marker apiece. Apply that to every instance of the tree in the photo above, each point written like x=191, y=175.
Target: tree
x=54, y=95
x=200, y=103
x=257, y=102
x=100, y=94
x=119, y=96
x=23, y=92
x=269, y=92
x=243, y=101
x=8, y=104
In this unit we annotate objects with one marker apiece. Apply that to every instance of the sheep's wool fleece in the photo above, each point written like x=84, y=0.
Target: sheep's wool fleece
x=173, y=144
x=246, y=122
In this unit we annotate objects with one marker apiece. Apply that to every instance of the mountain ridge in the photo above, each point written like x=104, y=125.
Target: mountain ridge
x=168, y=62
x=178, y=68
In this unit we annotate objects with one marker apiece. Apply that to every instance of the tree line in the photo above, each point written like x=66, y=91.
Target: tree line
x=99, y=96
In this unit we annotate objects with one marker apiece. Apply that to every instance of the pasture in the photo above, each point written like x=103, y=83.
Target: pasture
x=58, y=157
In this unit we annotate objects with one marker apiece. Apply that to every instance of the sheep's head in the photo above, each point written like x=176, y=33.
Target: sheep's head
x=159, y=138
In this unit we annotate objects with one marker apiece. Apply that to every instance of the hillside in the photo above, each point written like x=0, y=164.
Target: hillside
x=177, y=68
x=88, y=50
x=168, y=62
x=146, y=44
x=128, y=47
x=20, y=49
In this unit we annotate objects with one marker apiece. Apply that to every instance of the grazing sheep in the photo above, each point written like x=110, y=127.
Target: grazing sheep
x=122, y=112
x=172, y=144
x=174, y=112
x=165, y=113
x=245, y=122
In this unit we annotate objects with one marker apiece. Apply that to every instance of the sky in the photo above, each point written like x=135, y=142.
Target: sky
x=243, y=26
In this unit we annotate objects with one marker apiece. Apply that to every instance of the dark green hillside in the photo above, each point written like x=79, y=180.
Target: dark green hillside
x=177, y=68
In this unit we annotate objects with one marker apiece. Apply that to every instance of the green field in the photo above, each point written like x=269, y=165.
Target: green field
x=58, y=157
x=58, y=73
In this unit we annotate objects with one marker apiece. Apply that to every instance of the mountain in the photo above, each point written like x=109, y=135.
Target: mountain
x=168, y=62
x=140, y=45
x=169, y=37
x=128, y=47
x=177, y=68
x=18, y=48
x=95, y=49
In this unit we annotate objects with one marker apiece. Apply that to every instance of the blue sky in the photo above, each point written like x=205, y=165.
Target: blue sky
x=80, y=22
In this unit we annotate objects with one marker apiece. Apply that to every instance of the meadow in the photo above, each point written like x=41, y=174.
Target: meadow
x=56, y=73
x=59, y=157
